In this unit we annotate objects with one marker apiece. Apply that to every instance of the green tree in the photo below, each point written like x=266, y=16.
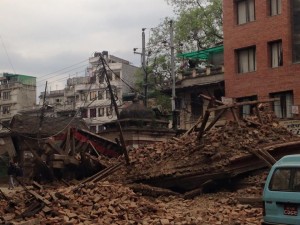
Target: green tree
x=153, y=92
x=200, y=27
x=197, y=25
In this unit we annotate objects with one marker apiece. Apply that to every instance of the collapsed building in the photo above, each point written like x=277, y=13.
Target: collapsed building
x=208, y=157
x=58, y=147
x=203, y=159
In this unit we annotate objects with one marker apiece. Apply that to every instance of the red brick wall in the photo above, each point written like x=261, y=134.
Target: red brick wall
x=264, y=29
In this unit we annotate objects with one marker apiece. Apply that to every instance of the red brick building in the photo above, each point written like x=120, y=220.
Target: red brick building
x=262, y=52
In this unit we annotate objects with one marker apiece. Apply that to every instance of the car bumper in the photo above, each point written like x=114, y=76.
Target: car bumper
x=265, y=223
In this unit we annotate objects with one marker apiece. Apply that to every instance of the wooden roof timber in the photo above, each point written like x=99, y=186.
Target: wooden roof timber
x=241, y=104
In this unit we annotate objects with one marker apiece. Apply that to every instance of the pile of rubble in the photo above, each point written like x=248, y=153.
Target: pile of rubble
x=137, y=194
x=216, y=152
x=113, y=203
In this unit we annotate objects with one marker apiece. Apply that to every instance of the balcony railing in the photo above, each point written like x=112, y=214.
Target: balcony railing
x=196, y=72
x=10, y=85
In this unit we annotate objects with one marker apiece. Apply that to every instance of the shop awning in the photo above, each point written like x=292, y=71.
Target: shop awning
x=202, y=54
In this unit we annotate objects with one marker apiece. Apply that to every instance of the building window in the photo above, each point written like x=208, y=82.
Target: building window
x=109, y=111
x=5, y=110
x=100, y=95
x=93, y=95
x=100, y=112
x=83, y=97
x=246, y=60
x=92, y=113
x=107, y=94
x=276, y=53
x=283, y=107
x=275, y=7
x=6, y=95
x=246, y=110
x=245, y=11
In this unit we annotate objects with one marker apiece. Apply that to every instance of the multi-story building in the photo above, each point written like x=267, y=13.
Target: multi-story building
x=262, y=53
x=89, y=95
x=17, y=92
x=196, y=79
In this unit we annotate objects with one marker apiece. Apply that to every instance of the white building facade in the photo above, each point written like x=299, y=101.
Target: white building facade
x=89, y=96
x=17, y=92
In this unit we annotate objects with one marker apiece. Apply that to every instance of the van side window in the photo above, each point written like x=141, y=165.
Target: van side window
x=280, y=179
x=296, y=183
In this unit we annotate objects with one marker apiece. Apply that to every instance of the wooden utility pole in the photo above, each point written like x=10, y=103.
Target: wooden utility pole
x=116, y=110
x=42, y=115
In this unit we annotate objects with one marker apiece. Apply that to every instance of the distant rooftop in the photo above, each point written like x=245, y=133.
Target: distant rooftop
x=24, y=79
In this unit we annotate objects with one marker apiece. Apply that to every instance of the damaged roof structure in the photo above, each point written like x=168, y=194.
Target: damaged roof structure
x=204, y=159
x=209, y=156
x=58, y=145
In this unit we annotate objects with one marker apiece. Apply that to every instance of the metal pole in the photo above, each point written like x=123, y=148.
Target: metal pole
x=174, y=116
x=144, y=67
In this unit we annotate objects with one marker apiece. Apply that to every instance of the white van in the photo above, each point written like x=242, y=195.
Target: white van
x=281, y=195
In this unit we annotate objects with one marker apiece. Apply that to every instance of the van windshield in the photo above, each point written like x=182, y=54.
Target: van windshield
x=285, y=179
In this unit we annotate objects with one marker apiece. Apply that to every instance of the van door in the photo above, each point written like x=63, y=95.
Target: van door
x=282, y=196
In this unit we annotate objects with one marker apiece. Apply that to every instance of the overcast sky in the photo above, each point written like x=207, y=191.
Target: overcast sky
x=40, y=37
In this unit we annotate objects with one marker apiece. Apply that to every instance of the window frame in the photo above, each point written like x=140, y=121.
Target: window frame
x=251, y=65
x=101, y=112
x=100, y=95
x=283, y=109
x=249, y=16
x=93, y=95
x=276, y=53
x=275, y=7
x=246, y=110
x=6, y=95
x=92, y=112
x=107, y=93
x=109, y=111
x=6, y=109
x=289, y=177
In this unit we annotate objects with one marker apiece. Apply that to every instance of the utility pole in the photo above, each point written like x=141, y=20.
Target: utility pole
x=143, y=61
x=144, y=67
x=174, y=115
x=42, y=116
x=117, y=112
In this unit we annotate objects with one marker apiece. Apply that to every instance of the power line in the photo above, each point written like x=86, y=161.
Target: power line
x=64, y=68
x=7, y=55
x=42, y=80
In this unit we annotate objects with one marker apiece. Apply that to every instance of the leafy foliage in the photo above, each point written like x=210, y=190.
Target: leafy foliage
x=200, y=27
x=197, y=25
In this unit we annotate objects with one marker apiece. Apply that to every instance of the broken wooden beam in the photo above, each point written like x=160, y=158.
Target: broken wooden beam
x=39, y=197
x=37, y=185
x=241, y=104
x=213, y=122
x=3, y=195
x=205, y=119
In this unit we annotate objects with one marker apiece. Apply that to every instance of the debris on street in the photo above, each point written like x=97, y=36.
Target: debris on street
x=212, y=178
